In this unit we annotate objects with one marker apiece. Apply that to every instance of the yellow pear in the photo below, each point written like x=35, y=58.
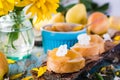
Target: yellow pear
x=114, y=22
x=59, y=17
x=3, y=66
x=77, y=14
x=37, y=26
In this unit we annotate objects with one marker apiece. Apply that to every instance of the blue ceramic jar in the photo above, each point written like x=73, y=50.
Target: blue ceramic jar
x=52, y=39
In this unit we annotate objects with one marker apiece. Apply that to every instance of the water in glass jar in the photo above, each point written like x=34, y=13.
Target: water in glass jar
x=17, y=44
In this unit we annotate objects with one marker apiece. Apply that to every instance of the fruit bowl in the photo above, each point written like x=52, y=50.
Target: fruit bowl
x=53, y=39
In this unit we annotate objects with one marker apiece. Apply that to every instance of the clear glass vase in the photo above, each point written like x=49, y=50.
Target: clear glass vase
x=16, y=39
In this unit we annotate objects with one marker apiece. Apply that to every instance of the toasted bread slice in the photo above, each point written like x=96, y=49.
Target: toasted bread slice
x=69, y=63
x=95, y=47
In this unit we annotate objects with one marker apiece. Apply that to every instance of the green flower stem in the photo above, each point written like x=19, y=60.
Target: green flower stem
x=24, y=38
x=28, y=37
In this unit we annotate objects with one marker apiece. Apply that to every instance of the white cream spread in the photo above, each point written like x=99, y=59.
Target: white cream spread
x=62, y=50
x=84, y=39
x=107, y=37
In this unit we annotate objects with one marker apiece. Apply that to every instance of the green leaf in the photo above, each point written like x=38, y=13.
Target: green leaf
x=103, y=8
x=87, y=3
x=60, y=8
x=98, y=76
x=94, y=5
x=12, y=37
x=69, y=6
x=63, y=9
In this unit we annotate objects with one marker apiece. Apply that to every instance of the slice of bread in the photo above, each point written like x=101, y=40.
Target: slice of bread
x=95, y=47
x=69, y=63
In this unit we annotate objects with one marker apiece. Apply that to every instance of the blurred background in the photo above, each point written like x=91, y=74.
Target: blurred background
x=108, y=7
x=111, y=7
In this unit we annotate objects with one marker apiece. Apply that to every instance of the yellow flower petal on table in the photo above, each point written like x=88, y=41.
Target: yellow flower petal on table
x=35, y=69
x=16, y=76
x=117, y=38
x=10, y=61
x=28, y=78
x=40, y=71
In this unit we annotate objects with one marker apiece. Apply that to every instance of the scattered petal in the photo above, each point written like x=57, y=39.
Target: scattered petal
x=117, y=38
x=16, y=76
x=40, y=71
x=35, y=69
x=10, y=61
x=28, y=78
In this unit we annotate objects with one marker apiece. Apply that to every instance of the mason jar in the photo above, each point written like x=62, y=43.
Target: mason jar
x=16, y=38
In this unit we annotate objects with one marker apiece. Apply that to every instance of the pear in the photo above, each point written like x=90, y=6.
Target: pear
x=42, y=23
x=114, y=22
x=99, y=23
x=77, y=14
x=58, y=17
x=3, y=66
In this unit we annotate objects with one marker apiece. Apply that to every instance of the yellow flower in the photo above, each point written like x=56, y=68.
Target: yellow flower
x=40, y=9
x=6, y=6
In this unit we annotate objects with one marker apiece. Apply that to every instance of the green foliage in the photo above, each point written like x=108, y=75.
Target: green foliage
x=98, y=76
x=64, y=9
x=92, y=6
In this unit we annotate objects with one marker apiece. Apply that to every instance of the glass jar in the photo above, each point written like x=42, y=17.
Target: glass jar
x=16, y=39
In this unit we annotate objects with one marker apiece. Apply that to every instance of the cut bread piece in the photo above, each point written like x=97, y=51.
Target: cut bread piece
x=95, y=47
x=69, y=63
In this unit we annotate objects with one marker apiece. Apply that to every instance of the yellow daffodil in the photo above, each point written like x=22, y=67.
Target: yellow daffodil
x=6, y=6
x=40, y=9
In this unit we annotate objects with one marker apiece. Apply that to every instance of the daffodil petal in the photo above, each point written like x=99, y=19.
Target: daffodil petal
x=23, y=3
x=1, y=5
x=35, y=69
x=16, y=76
x=10, y=61
x=41, y=71
x=11, y=1
x=28, y=78
x=43, y=9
